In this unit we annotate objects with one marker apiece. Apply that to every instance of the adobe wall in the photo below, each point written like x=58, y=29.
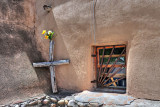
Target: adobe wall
x=18, y=50
x=132, y=22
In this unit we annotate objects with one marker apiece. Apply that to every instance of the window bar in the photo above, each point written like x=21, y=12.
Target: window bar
x=106, y=65
x=113, y=66
x=101, y=62
x=121, y=68
x=114, y=81
x=96, y=65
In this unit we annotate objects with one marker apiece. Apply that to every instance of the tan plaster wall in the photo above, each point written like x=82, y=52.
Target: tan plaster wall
x=18, y=50
x=135, y=23
x=132, y=22
x=75, y=24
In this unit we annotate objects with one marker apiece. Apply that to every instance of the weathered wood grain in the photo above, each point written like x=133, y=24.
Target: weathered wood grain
x=52, y=69
x=51, y=49
x=53, y=79
x=53, y=63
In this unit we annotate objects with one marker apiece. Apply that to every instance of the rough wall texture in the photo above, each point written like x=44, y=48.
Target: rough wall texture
x=18, y=50
x=132, y=22
x=74, y=23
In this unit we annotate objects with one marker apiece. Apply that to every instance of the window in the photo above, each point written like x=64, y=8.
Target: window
x=111, y=66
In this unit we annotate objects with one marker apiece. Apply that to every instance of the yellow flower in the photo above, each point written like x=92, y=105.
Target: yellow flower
x=44, y=31
x=46, y=37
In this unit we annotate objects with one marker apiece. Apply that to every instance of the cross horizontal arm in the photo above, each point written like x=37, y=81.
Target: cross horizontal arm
x=46, y=64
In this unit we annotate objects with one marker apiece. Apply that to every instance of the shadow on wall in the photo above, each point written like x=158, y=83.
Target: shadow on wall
x=18, y=50
x=63, y=72
x=68, y=76
x=16, y=40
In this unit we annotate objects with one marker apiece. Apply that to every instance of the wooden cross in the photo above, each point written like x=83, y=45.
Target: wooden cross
x=51, y=65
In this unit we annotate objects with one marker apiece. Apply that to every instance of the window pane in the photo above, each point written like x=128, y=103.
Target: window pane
x=118, y=50
x=106, y=52
x=112, y=60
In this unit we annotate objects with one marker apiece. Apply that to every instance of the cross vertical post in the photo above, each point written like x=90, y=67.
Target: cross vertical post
x=52, y=67
x=51, y=64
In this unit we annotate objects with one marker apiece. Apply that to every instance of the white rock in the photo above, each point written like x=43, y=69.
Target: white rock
x=46, y=101
x=16, y=106
x=47, y=97
x=53, y=100
x=66, y=102
x=61, y=102
x=24, y=104
x=72, y=103
x=93, y=104
x=33, y=103
x=81, y=104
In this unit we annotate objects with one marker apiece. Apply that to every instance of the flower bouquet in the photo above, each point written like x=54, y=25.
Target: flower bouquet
x=48, y=35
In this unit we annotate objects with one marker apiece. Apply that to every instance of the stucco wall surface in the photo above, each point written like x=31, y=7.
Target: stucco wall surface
x=18, y=50
x=132, y=22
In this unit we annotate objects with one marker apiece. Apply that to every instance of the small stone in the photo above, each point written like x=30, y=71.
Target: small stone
x=39, y=101
x=66, y=102
x=61, y=102
x=53, y=100
x=46, y=101
x=81, y=104
x=47, y=97
x=72, y=103
x=16, y=106
x=94, y=104
x=53, y=105
x=24, y=104
x=33, y=103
